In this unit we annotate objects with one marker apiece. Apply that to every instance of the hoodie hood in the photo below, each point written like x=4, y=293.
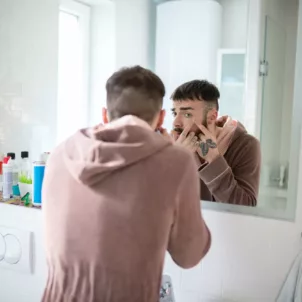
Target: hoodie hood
x=92, y=155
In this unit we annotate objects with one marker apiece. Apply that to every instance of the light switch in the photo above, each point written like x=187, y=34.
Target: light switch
x=13, y=249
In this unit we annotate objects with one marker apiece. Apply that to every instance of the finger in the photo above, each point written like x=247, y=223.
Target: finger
x=163, y=132
x=198, y=150
x=205, y=130
x=193, y=145
x=189, y=138
x=202, y=137
x=197, y=144
x=186, y=130
x=221, y=120
x=193, y=141
x=174, y=134
x=96, y=128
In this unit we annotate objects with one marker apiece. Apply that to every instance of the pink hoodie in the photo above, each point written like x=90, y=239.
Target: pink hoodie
x=115, y=201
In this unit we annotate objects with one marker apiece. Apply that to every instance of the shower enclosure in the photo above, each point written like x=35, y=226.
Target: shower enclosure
x=276, y=110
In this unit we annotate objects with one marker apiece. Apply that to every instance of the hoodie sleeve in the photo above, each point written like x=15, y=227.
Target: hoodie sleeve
x=190, y=238
x=240, y=184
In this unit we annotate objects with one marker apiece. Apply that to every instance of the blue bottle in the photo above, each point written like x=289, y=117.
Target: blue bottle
x=37, y=182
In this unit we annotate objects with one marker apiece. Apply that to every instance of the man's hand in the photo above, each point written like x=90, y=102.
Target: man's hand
x=165, y=134
x=222, y=120
x=97, y=128
x=207, y=149
x=187, y=139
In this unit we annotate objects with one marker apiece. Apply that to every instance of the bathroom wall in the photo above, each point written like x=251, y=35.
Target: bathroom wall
x=235, y=15
x=117, y=40
x=28, y=75
x=102, y=56
x=15, y=286
x=28, y=98
x=250, y=256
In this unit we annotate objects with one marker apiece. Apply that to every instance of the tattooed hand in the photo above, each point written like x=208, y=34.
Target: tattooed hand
x=186, y=138
x=207, y=145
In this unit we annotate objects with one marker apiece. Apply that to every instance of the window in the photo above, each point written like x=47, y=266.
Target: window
x=73, y=99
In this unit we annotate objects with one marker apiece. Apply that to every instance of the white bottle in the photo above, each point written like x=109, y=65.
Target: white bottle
x=15, y=168
x=25, y=168
x=8, y=168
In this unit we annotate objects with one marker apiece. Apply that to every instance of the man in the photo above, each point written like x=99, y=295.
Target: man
x=228, y=158
x=117, y=197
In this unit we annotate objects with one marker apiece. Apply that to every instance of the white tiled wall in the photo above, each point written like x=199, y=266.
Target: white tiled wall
x=28, y=75
x=248, y=260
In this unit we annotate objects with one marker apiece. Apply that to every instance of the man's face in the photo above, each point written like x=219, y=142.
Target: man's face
x=186, y=112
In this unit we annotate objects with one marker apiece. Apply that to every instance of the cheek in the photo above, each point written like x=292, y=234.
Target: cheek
x=200, y=121
x=195, y=129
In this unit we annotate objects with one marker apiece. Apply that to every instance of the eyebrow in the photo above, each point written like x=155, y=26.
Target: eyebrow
x=183, y=109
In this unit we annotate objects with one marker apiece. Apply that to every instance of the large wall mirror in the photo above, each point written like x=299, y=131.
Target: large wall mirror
x=248, y=50
x=56, y=57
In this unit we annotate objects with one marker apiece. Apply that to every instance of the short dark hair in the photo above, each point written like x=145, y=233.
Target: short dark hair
x=134, y=91
x=200, y=90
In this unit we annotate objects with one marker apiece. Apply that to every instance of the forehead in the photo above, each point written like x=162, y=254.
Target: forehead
x=188, y=105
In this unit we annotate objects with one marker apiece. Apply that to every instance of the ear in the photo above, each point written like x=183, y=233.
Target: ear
x=212, y=116
x=161, y=118
x=105, y=115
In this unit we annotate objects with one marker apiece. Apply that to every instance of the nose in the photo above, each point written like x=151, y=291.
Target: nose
x=177, y=123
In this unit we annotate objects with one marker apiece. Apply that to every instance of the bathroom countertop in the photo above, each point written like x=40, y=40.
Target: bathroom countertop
x=17, y=202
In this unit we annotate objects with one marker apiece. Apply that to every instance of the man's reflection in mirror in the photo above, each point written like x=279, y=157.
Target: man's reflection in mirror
x=228, y=158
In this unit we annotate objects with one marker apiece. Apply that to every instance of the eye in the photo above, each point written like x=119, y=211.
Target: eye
x=188, y=115
x=173, y=113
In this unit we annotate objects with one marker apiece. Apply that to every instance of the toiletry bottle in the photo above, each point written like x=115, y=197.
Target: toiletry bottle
x=15, y=168
x=25, y=168
x=37, y=178
x=8, y=167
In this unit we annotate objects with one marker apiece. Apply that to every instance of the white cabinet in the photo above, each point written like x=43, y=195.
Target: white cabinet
x=231, y=82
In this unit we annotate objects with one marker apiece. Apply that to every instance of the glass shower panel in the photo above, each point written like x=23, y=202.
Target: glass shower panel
x=272, y=192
